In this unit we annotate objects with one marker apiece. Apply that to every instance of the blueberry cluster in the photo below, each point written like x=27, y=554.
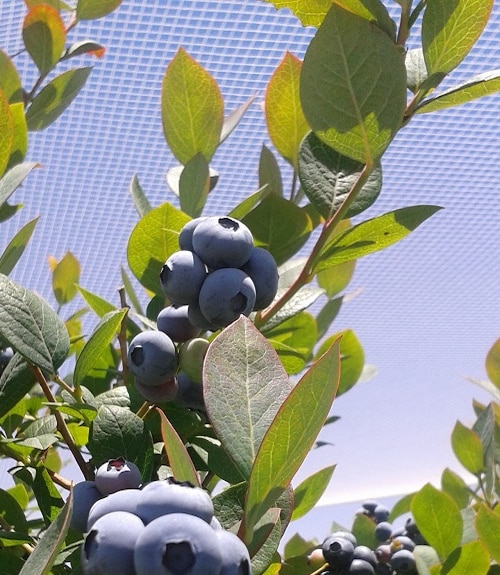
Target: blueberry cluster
x=217, y=275
x=392, y=556
x=6, y=354
x=161, y=528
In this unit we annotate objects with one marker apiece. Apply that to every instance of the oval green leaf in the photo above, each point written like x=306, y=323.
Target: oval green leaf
x=468, y=448
x=254, y=386
x=55, y=97
x=13, y=178
x=10, y=82
x=194, y=185
x=32, y=327
x=292, y=435
x=450, y=28
x=20, y=140
x=6, y=132
x=309, y=492
x=488, y=528
x=16, y=247
x=152, y=241
x=327, y=178
x=65, y=278
x=94, y=9
x=353, y=86
x=192, y=109
x=493, y=363
x=469, y=559
x=285, y=119
x=429, y=506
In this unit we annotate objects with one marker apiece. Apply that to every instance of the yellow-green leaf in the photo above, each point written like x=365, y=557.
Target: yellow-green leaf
x=468, y=448
x=44, y=36
x=10, y=82
x=6, y=132
x=493, y=363
x=285, y=119
x=488, y=528
x=449, y=31
x=192, y=109
x=65, y=278
x=94, y=9
x=20, y=141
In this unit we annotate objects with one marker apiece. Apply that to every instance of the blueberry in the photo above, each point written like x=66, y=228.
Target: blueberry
x=186, y=233
x=117, y=474
x=370, y=505
x=225, y=295
x=85, y=494
x=383, y=553
x=169, y=496
x=191, y=356
x=222, y=242
x=174, y=321
x=337, y=551
x=181, y=277
x=403, y=562
x=235, y=557
x=411, y=527
x=381, y=513
x=403, y=542
x=152, y=357
x=383, y=531
x=198, y=319
x=360, y=567
x=166, y=391
x=6, y=355
x=189, y=393
x=315, y=559
x=178, y=544
x=346, y=535
x=262, y=270
x=124, y=500
x=365, y=553
x=109, y=546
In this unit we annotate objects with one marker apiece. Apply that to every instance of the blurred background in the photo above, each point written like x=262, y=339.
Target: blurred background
x=426, y=310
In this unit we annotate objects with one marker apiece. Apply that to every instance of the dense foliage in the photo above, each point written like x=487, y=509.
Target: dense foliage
x=260, y=384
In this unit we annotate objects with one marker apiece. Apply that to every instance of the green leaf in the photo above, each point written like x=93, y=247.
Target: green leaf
x=327, y=178
x=16, y=381
x=65, y=278
x=96, y=303
x=327, y=314
x=286, y=123
x=117, y=432
x=254, y=383
x=51, y=542
x=477, y=87
x=269, y=172
x=353, y=86
x=192, y=109
x=13, y=178
x=247, y=205
x=450, y=29
x=429, y=507
x=488, y=527
x=16, y=247
x=139, y=198
x=426, y=558
x=304, y=298
x=20, y=141
x=232, y=120
x=294, y=340
x=194, y=185
x=12, y=513
x=44, y=36
x=102, y=336
x=152, y=241
x=47, y=496
x=455, y=486
x=94, y=9
x=6, y=132
x=280, y=226
x=373, y=235
x=468, y=448
x=493, y=363
x=363, y=528
x=129, y=289
x=178, y=457
x=31, y=326
x=469, y=559
x=55, y=97
x=85, y=47
x=308, y=493
x=416, y=71
x=291, y=435
x=401, y=507
x=217, y=459
x=10, y=82
x=352, y=358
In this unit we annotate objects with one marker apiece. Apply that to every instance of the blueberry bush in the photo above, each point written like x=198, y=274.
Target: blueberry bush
x=189, y=417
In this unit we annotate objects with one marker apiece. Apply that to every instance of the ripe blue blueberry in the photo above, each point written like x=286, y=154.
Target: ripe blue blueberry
x=189, y=393
x=338, y=551
x=181, y=277
x=222, y=242
x=169, y=496
x=226, y=294
x=360, y=567
x=174, y=321
x=166, y=391
x=370, y=505
x=235, y=557
x=124, y=500
x=346, y=535
x=186, y=233
x=262, y=270
x=6, y=354
x=178, y=544
x=109, y=546
x=403, y=542
x=198, y=319
x=85, y=494
x=366, y=554
x=117, y=474
x=383, y=531
x=381, y=513
x=403, y=562
x=152, y=357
